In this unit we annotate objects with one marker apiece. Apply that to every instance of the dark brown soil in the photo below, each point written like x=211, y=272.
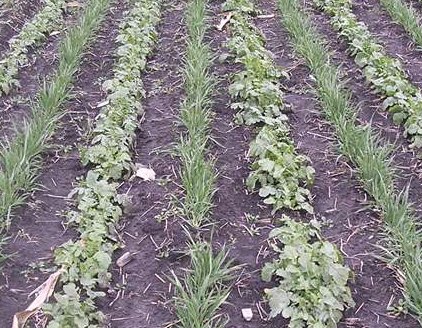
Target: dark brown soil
x=140, y=294
x=42, y=61
x=37, y=227
x=12, y=18
x=392, y=36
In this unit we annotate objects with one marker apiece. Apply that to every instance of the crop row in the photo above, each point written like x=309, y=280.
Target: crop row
x=202, y=290
x=99, y=205
x=368, y=153
x=311, y=279
x=20, y=158
x=31, y=34
x=386, y=74
x=283, y=175
x=197, y=172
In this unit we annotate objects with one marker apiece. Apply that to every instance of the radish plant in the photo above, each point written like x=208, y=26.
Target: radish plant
x=278, y=171
x=31, y=34
x=312, y=281
x=99, y=204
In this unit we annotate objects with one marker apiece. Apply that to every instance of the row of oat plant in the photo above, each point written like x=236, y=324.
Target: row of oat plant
x=302, y=257
x=370, y=155
x=20, y=158
x=85, y=261
x=47, y=20
x=384, y=72
x=202, y=289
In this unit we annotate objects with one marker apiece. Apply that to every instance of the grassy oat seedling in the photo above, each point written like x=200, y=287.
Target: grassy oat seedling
x=197, y=172
x=20, y=158
x=369, y=154
x=202, y=291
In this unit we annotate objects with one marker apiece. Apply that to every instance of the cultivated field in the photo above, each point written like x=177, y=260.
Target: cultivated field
x=210, y=163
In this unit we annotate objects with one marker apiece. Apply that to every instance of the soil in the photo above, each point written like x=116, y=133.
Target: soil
x=392, y=36
x=42, y=61
x=140, y=293
x=37, y=227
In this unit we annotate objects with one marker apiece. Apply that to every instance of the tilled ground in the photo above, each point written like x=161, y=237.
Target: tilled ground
x=37, y=227
x=140, y=293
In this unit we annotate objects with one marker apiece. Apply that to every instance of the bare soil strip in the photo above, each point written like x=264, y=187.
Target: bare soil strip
x=37, y=228
x=338, y=196
x=392, y=36
x=409, y=168
x=157, y=245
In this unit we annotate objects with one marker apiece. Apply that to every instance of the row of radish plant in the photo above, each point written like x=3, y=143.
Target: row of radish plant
x=311, y=280
x=47, y=20
x=282, y=174
x=384, y=72
x=20, y=158
x=98, y=203
x=370, y=155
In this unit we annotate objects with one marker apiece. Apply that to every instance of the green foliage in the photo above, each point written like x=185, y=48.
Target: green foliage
x=403, y=99
x=370, y=155
x=197, y=173
x=117, y=122
x=202, y=291
x=20, y=158
x=312, y=280
x=31, y=34
x=279, y=170
x=407, y=16
x=99, y=206
x=282, y=175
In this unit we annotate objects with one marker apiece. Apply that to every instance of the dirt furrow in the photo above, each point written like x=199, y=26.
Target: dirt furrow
x=409, y=167
x=38, y=227
x=338, y=196
x=139, y=293
x=392, y=36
